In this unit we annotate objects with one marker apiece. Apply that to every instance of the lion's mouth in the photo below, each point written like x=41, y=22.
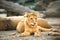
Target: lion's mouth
x=32, y=24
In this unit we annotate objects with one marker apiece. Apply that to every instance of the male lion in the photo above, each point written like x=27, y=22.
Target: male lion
x=31, y=24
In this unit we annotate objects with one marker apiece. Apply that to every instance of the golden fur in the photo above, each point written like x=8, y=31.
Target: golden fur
x=19, y=23
x=31, y=24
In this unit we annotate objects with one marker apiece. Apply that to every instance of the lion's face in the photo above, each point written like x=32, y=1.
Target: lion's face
x=31, y=19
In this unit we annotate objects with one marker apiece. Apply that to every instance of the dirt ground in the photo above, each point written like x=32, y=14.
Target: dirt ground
x=55, y=22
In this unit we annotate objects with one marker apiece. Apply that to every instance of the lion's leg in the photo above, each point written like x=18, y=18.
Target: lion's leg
x=54, y=33
x=25, y=33
x=44, y=29
x=37, y=32
x=20, y=27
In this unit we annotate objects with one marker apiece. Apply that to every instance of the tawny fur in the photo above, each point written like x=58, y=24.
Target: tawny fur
x=25, y=27
x=21, y=25
x=13, y=21
x=41, y=22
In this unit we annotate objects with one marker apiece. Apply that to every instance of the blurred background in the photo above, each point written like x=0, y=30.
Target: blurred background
x=48, y=9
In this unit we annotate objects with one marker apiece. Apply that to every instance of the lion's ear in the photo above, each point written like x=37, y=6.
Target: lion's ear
x=36, y=14
x=27, y=14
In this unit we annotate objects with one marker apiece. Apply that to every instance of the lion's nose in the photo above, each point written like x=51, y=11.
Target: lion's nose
x=32, y=24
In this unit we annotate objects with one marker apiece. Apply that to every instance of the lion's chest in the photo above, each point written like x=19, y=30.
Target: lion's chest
x=32, y=29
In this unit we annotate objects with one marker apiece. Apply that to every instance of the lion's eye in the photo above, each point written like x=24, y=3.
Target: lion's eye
x=35, y=18
x=31, y=18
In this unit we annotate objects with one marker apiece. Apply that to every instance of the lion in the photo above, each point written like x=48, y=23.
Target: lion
x=31, y=24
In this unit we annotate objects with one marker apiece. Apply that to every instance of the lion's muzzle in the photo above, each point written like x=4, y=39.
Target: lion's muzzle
x=32, y=24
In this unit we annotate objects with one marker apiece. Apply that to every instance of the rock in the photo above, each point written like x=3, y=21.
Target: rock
x=38, y=6
x=53, y=9
x=14, y=8
x=3, y=25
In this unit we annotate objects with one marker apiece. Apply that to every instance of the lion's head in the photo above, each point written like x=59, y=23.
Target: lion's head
x=31, y=18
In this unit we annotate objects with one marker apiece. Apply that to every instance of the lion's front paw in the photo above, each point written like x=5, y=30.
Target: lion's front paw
x=37, y=34
x=21, y=35
x=24, y=34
